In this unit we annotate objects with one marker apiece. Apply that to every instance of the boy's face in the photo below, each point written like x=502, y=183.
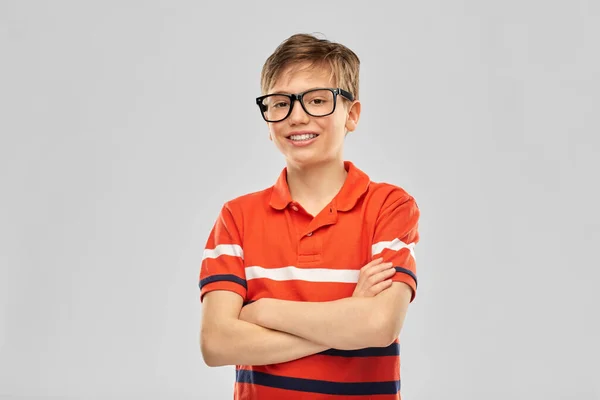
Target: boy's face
x=331, y=129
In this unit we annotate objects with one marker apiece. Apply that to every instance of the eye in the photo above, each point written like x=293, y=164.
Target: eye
x=318, y=101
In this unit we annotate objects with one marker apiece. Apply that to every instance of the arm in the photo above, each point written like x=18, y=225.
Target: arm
x=354, y=323
x=226, y=340
x=346, y=324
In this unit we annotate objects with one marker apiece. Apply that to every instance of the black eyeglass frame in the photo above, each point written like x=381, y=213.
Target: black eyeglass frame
x=299, y=97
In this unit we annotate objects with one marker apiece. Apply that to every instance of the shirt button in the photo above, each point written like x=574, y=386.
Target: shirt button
x=309, y=234
x=294, y=208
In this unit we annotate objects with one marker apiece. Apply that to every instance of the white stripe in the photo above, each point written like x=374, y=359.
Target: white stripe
x=395, y=245
x=224, y=249
x=292, y=273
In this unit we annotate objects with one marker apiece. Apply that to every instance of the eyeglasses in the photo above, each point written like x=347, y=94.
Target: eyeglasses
x=316, y=102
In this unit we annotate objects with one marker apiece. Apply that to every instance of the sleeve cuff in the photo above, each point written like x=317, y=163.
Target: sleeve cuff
x=231, y=283
x=407, y=276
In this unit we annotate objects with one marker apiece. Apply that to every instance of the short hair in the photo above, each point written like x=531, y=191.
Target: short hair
x=300, y=48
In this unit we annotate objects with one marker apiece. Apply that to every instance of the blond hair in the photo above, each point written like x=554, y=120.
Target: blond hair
x=302, y=48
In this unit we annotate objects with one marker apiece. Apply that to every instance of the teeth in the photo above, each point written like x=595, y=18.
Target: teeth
x=305, y=136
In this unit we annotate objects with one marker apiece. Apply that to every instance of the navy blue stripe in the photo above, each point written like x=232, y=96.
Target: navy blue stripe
x=391, y=350
x=317, y=386
x=223, y=277
x=408, y=272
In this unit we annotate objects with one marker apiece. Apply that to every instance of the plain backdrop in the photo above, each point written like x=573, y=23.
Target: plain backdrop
x=125, y=125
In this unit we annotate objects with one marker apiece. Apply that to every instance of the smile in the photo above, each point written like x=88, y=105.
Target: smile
x=304, y=136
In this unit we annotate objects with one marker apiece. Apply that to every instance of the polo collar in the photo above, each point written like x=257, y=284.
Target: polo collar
x=355, y=185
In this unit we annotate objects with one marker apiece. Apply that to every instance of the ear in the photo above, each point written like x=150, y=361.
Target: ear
x=353, y=116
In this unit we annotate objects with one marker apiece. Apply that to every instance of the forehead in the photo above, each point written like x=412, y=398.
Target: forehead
x=300, y=77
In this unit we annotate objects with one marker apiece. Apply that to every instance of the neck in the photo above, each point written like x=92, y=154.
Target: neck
x=317, y=184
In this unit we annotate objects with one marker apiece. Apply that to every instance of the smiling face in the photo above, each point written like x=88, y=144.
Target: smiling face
x=305, y=140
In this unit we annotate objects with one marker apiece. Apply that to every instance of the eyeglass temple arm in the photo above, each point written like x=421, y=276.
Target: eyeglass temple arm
x=346, y=94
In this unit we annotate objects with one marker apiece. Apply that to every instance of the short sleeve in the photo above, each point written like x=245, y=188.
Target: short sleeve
x=396, y=235
x=223, y=258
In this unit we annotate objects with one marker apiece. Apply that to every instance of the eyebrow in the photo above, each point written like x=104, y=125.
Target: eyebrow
x=284, y=92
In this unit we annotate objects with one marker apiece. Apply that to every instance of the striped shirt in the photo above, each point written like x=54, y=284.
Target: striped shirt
x=265, y=245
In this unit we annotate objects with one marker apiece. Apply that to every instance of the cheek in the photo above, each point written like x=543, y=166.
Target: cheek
x=274, y=131
x=338, y=127
x=332, y=126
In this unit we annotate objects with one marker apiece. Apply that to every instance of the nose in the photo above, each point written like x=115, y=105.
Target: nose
x=298, y=115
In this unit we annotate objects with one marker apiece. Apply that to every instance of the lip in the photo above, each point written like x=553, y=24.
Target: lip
x=304, y=142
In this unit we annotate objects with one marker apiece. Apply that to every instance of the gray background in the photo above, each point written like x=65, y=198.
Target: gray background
x=126, y=125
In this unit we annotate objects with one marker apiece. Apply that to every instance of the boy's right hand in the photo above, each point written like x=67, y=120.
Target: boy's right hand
x=374, y=278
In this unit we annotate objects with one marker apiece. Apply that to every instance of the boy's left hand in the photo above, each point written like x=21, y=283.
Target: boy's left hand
x=374, y=278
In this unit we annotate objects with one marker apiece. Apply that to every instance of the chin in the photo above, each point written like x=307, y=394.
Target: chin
x=307, y=161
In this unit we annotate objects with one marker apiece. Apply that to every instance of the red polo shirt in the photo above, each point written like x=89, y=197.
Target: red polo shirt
x=266, y=245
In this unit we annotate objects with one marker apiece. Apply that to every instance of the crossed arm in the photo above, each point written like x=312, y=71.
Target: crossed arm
x=346, y=324
x=271, y=331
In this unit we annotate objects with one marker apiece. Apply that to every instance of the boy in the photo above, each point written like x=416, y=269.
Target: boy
x=305, y=285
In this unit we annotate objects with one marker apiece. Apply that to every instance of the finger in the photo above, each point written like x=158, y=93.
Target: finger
x=380, y=287
x=385, y=274
x=379, y=268
x=376, y=261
